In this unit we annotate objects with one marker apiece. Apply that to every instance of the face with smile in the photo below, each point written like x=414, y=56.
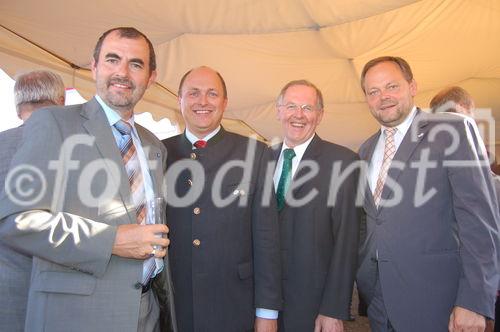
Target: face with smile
x=298, y=114
x=122, y=72
x=388, y=94
x=202, y=101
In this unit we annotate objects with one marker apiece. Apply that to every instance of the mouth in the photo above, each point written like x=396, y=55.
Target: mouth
x=298, y=125
x=386, y=107
x=121, y=84
x=202, y=112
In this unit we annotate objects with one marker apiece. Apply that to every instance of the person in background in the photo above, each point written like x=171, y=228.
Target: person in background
x=225, y=256
x=428, y=251
x=457, y=100
x=97, y=256
x=319, y=237
x=32, y=91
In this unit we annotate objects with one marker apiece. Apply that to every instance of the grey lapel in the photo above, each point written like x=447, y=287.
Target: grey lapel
x=97, y=125
x=366, y=155
x=412, y=139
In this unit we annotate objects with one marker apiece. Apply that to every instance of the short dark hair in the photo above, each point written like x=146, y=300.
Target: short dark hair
x=224, y=89
x=455, y=94
x=319, y=95
x=130, y=33
x=400, y=62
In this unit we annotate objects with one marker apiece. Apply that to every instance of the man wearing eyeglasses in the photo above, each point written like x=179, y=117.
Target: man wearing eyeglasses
x=317, y=215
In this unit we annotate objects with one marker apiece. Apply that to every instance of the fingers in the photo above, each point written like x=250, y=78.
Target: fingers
x=157, y=228
x=158, y=252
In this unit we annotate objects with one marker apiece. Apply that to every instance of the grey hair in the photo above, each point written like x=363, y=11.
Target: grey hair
x=319, y=95
x=38, y=86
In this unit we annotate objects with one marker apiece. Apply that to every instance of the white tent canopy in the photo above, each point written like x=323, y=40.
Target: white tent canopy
x=258, y=46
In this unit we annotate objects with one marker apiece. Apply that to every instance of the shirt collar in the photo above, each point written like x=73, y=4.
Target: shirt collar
x=112, y=116
x=405, y=125
x=192, y=138
x=298, y=149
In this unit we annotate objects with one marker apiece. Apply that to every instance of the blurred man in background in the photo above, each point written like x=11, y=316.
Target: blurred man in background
x=32, y=91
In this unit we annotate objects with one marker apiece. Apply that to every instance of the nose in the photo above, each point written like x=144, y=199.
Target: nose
x=299, y=112
x=203, y=99
x=122, y=69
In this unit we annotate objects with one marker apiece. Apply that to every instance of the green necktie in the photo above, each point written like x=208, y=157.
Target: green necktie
x=285, y=178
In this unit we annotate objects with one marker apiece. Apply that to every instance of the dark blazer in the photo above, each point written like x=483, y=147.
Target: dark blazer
x=225, y=259
x=319, y=239
x=438, y=253
x=15, y=267
x=76, y=283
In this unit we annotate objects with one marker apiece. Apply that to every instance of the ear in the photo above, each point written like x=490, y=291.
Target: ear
x=320, y=116
x=152, y=78
x=224, y=105
x=93, y=68
x=413, y=88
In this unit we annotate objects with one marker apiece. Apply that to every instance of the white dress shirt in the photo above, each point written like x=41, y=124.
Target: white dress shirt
x=378, y=152
x=192, y=138
x=299, y=153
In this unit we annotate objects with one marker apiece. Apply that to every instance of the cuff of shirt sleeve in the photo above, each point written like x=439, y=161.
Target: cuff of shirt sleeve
x=266, y=313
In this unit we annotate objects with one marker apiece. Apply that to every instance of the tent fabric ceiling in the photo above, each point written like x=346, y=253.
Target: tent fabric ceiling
x=258, y=46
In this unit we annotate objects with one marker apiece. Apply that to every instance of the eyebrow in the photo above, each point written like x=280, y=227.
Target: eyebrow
x=112, y=55
x=116, y=56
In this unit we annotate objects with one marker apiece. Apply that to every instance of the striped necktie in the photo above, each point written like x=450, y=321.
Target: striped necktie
x=136, y=180
x=389, y=152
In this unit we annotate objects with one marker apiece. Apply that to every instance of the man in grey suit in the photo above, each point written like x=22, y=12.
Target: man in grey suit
x=225, y=240
x=428, y=246
x=455, y=99
x=32, y=91
x=319, y=235
x=78, y=204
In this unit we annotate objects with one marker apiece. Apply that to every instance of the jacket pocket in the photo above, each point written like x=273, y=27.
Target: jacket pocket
x=245, y=270
x=64, y=282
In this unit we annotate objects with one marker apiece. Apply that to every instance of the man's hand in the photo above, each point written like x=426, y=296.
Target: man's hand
x=328, y=324
x=138, y=241
x=266, y=325
x=463, y=320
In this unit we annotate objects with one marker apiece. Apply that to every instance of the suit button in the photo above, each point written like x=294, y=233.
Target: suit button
x=190, y=182
x=196, y=242
x=196, y=210
x=138, y=285
x=193, y=155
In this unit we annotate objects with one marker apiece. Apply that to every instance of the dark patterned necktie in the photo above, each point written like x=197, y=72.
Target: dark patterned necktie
x=285, y=178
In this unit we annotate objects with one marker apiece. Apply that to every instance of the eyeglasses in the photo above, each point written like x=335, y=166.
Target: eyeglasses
x=292, y=107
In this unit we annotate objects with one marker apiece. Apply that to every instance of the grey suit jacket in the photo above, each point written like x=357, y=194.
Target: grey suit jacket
x=76, y=283
x=319, y=239
x=432, y=252
x=15, y=267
